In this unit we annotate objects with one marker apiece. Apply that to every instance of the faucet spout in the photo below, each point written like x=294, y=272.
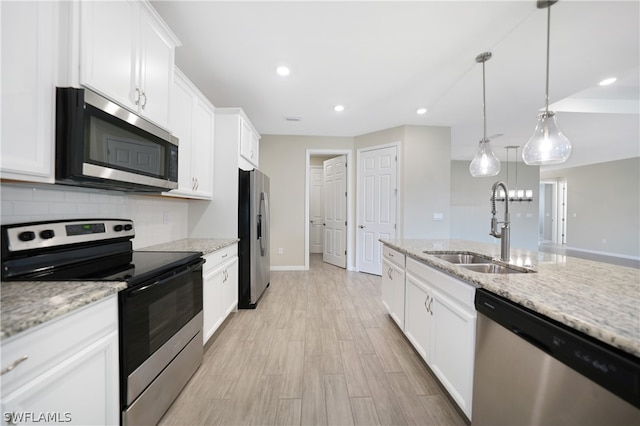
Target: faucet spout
x=505, y=231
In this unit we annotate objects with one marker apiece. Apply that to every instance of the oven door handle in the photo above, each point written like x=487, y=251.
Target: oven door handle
x=186, y=270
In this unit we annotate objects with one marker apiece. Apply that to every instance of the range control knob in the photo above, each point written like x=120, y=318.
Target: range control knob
x=128, y=227
x=118, y=228
x=47, y=234
x=27, y=236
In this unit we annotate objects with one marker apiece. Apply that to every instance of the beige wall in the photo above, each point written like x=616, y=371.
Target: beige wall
x=424, y=184
x=603, y=206
x=471, y=209
x=283, y=159
x=423, y=177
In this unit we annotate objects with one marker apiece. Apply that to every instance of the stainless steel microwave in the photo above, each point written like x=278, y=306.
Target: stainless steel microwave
x=102, y=145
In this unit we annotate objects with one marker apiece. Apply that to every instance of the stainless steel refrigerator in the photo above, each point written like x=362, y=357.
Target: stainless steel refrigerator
x=253, y=231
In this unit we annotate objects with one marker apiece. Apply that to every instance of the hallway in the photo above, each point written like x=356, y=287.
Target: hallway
x=319, y=350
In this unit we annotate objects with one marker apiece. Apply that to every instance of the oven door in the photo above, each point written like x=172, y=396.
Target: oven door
x=157, y=320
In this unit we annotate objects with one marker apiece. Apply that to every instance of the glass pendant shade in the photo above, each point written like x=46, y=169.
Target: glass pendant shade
x=485, y=163
x=547, y=145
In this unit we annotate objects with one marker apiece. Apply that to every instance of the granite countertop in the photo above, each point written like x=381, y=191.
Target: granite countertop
x=26, y=304
x=598, y=299
x=205, y=245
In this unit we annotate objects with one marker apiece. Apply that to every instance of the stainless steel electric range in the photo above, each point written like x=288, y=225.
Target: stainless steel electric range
x=160, y=311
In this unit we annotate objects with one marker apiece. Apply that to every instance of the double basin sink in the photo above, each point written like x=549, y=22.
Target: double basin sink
x=477, y=263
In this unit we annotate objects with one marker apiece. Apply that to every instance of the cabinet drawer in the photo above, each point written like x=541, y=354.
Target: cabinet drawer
x=444, y=283
x=217, y=258
x=53, y=342
x=393, y=256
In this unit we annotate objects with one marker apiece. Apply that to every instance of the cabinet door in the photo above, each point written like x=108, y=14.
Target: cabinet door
x=229, y=295
x=418, y=316
x=28, y=90
x=211, y=305
x=453, y=348
x=155, y=68
x=248, y=142
x=108, y=49
x=387, y=285
x=398, y=282
x=82, y=390
x=182, y=104
x=202, y=148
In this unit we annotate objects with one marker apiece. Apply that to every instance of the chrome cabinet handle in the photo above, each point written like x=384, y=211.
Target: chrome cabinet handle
x=389, y=273
x=425, y=303
x=14, y=364
x=145, y=100
x=361, y=226
x=137, y=101
x=431, y=303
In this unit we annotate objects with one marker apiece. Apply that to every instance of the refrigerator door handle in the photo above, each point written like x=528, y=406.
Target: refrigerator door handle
x=264, y=211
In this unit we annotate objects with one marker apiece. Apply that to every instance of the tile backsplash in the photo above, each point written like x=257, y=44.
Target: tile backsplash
x=156, y=219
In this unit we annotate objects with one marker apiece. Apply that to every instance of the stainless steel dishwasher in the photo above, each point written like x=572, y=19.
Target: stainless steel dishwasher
x=531, y=370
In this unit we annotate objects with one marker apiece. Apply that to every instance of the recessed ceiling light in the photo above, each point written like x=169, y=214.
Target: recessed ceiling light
x=421, y=111
x=338, y=108
x=607, y=81
x=283, y=71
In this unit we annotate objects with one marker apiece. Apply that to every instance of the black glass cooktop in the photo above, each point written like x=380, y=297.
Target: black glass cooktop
x=133, y=267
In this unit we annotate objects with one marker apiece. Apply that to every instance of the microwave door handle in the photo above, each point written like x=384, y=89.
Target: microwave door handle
x=138, y=291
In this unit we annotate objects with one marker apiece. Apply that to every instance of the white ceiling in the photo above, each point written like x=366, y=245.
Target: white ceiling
x=383, y=60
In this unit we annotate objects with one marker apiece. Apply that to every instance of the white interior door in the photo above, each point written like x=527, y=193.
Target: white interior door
x=335, y=211
x=377, y=199
x=316, y=209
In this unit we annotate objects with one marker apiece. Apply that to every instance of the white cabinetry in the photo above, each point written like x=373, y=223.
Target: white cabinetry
x=29, y=52
x=239, y=131
x=441, y=324
x=393, y=284
x=127, y=54
x=219, y=288
x=69, y=369
x=192, y=121
x=249, y=142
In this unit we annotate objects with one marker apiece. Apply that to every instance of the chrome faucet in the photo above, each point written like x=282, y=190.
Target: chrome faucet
x=505, y=231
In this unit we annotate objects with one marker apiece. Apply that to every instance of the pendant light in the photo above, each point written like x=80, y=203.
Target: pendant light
x=547, y=145
x=485, y=163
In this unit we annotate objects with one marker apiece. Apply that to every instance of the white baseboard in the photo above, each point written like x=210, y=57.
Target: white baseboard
x=604, y=253
x=288, y=268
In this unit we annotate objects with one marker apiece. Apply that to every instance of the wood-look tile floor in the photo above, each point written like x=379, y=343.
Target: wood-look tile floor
x=320, y=349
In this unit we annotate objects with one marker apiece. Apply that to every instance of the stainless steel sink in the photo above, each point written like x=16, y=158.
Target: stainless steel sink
x=463, y=258
x=493, y=268
x=477, y=263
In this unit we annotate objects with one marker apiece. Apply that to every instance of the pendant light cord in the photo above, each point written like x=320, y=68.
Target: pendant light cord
x=484, y=107
x=546, y=95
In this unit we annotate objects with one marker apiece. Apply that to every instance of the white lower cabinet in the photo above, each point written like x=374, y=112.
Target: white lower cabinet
x=441, y=324
x=69, y=370
x=219, y=288
x=393, y=284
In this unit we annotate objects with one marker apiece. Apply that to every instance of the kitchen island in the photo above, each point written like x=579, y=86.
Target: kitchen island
x=598, y=299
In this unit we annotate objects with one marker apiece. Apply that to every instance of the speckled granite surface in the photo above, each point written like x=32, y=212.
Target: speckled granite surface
x=205, y=245
x=25, y=304
x=599, y=299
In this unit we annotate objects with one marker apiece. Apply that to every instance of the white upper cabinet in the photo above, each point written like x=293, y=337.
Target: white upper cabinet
x=249, y=140
x=237, y=130
x=29, y=36
x=127, y=54
x=192, y=121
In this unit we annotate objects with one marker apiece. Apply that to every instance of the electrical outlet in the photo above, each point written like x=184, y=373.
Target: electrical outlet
x=280, y=250
x=165, y=217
